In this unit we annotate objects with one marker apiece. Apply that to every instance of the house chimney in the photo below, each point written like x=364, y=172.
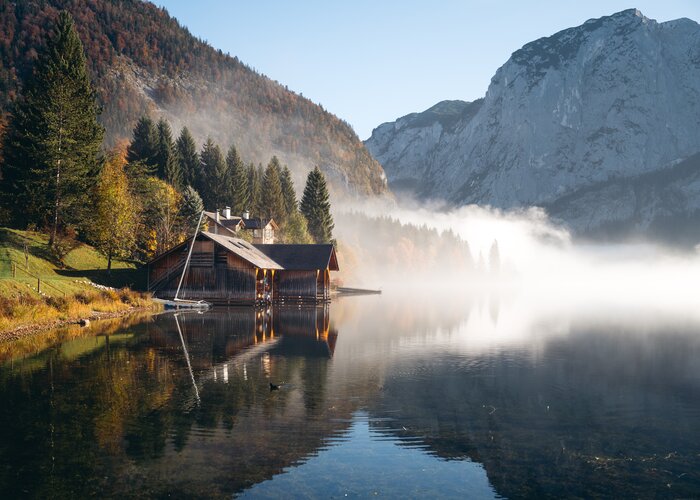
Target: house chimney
x=218, y=219
x=246, y=214
x=227, y=212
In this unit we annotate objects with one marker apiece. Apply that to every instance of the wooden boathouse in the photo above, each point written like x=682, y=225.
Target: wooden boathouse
x=224, y=269
x=306, y=271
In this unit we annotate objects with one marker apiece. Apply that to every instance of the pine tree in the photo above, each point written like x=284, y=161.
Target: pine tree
x=316, y=207
x=214, y=173
x=166, y=161
x=275, y=163
x=192, y=207
x=254, y=189
x=52, y=150
x=113, y=226
x=259, y=207
x=272, y=199
x=238, y=182
x=188, y=158
x=288, y=193
x=143, y=149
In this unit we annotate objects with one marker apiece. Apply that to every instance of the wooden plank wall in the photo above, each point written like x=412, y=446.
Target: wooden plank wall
x=297, y=286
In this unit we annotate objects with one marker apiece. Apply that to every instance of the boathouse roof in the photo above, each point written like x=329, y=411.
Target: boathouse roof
x=301, y=257
x=244, y=250
x=237, y=246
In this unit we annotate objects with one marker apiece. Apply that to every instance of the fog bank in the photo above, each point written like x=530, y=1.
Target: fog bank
x=538, y=260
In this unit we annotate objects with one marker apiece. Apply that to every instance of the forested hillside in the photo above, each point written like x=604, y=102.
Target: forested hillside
x=142, y=61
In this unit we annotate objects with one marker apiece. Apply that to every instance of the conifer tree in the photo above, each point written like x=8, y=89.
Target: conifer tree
x=188, y=159
x=238, y=181
x=272, y=199
x=258, y=207
x=52, y=150
x=113, y=226
x=288, y=193
x=254, y=189
x=192, y=207
x=275, y=163
x=215, y=174
x=143, y=149
x=166, y=161
x=316, y=207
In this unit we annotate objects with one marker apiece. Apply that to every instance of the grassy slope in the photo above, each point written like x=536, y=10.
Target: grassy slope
x=79, y=265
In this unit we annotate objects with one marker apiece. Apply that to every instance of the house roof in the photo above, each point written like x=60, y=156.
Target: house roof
x=302, y=257
x=244, y=250
x=259, y=223
x=227, y=223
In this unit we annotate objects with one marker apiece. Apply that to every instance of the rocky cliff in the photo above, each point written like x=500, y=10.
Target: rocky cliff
x=566, y=122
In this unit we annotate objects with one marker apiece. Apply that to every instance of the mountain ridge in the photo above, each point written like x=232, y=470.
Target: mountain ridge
x=143, y=61
x=617, y=97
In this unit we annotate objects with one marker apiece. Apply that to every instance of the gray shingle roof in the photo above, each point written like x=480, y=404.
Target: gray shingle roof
x=301, y=257
x=244, y=250
x=228, y=223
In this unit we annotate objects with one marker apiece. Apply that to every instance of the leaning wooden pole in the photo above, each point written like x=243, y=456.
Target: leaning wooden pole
x=189, y=255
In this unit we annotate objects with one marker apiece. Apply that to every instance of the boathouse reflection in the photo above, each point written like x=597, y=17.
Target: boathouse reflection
x=230, y=335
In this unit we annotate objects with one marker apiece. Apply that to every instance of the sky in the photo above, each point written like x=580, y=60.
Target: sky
x=371, y=61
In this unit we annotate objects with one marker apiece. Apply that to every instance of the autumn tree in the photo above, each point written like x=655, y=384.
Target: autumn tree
x=52, y=152
x=316, y=207
x=296, y=230
x=161, y=226
x=113, y=225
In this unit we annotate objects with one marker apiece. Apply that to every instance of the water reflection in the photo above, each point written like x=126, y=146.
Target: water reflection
x=466, y=396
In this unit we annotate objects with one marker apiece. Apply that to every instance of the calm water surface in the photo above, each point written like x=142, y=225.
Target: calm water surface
x=379, y=396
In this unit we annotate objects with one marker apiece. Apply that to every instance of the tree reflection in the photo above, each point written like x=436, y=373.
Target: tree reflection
x=127, y=399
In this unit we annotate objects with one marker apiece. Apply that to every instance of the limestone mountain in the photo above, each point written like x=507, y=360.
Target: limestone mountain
x=569, y=122
x=143, y=61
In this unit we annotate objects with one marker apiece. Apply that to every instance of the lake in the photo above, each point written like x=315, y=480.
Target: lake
x=471, y=396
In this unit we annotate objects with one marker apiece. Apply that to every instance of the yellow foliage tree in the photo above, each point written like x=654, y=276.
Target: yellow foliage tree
x=162, y=214
x=114, y=226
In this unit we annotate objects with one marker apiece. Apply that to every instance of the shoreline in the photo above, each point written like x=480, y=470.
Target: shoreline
x=28, y=330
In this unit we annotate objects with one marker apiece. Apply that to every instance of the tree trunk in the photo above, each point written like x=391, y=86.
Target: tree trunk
x=57, y=204
x=109, y=262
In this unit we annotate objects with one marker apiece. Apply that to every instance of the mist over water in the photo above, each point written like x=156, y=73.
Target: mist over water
x=541, y=267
